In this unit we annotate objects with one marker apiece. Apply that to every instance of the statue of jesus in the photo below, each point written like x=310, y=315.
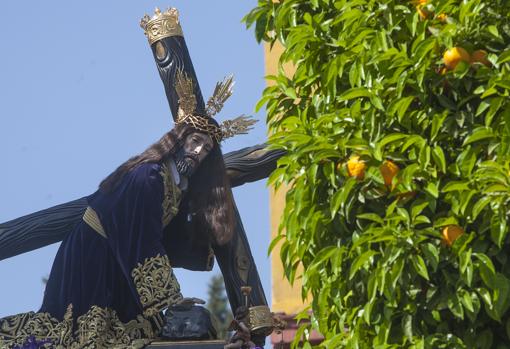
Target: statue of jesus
x=112, y=275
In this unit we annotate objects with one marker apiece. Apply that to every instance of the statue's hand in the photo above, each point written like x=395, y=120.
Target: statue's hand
x=242, y=336
x=188, y=302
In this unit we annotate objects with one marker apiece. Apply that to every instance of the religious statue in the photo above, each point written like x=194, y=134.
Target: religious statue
x=170, y=206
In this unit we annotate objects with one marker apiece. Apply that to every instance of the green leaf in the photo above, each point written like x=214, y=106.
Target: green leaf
x=437, y=123
x=455, y=305
x=400, y=106
x=324, y=255
x=480, y=205
x=482, y=107
x=503, y=83
x=493, y=30
x=371, y=217
x=502, y=292
x=376, y=102
x=486, y=261
x=419, y=266
x=431, y=253
x=407, y=326
x=495, y=105
x=340, y=197
x=499, y=229
x=479, y=134
x=486, y=296
x=289, y=91
x=465, y=259
x=504, y=57
x=274, y=242
x=439, y=158
x=412, y=140
x=486, y=269
x=432, y=189
x=355, y=92
x=360, y=261
x=390, y=138
x=442, y=222
x=456, y=186
x=467, y=301
x=417, y=208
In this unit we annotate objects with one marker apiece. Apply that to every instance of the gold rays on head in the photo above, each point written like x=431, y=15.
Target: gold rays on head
x=184, y=88
x=188, y=103
x=222, y=92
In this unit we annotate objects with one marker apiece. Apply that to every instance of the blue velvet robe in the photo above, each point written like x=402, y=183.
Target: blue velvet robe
x=111, y=277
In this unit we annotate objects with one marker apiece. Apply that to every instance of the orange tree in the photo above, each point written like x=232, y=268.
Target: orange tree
x=397, y=127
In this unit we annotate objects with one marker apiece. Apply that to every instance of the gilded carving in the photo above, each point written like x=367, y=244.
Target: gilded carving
x=156, y=284
x=161, y=25
x=98, y=328
x=102, y=327
x=261, y=320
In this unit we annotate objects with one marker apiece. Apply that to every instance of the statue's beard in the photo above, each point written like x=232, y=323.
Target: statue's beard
x=186, y=163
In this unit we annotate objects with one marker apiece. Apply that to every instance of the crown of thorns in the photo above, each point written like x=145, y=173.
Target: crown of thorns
x=187, y=109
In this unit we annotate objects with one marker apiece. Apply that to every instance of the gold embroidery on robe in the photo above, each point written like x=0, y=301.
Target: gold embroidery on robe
x=171, y=196
x=156, y=284
x=92, y=219
x=98, y=328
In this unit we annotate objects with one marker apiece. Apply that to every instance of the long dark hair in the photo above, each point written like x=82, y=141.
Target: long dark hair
x=208, y=200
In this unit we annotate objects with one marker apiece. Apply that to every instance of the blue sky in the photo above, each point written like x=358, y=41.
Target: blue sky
x=80, y=93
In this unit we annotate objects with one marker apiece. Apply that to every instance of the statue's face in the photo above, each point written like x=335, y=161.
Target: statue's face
x=194, y=150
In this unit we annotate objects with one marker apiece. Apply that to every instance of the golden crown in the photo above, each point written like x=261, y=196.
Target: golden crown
x=161, y=25
x=187, y=109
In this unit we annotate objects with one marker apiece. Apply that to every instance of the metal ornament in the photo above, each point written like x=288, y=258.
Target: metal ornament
x=187, y=106
x=161, y=25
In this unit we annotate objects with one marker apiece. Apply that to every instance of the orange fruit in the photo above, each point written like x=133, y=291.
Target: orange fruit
x=480, y=56
x=453, y=56
x=356, y=167
x=451, y=233
x=389, y=170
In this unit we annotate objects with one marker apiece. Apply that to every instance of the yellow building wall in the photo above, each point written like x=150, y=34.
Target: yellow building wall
x=285, y=298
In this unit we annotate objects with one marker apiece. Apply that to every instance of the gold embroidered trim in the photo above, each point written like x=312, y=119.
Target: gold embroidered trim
x=98, y=328
x=92, y=219
x=156, y=284
x=171, y=196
